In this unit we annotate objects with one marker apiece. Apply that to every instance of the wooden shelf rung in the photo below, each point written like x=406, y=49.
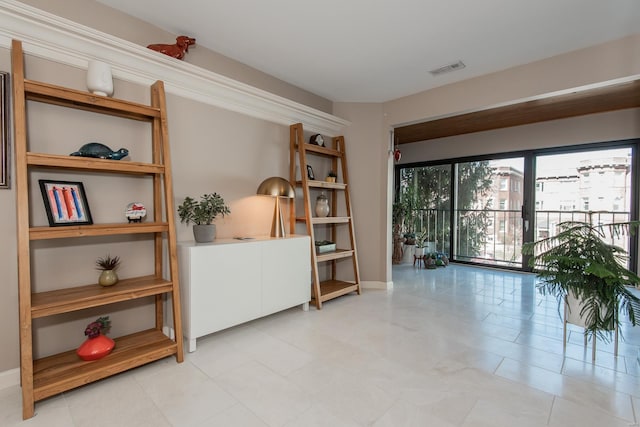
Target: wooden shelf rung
x=65, y=371
x=42, y=233
x=71, y=98
x=72, y=299
x=330, y=220
x=92, y=164
x=324, y=184
x=337, y=254
x=331, y=289
x=320, y=150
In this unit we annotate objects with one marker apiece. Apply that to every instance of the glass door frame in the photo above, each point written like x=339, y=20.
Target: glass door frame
x=528, y=204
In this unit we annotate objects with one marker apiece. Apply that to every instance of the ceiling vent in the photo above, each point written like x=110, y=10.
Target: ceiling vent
x=448, y=68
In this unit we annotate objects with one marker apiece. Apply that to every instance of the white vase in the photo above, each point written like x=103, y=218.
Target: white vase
x=99, y=79
x=322, y=206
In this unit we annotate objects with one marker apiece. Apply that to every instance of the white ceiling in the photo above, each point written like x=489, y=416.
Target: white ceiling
x=378, y=50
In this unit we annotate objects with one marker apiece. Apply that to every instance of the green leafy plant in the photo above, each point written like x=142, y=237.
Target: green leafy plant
x=579, y=261
x=421, y=239
x=204, y=211
x=101, y=325
x=107, y=263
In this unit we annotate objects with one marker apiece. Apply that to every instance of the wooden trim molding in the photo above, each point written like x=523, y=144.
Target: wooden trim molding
x=577, y=102
x=60, y=40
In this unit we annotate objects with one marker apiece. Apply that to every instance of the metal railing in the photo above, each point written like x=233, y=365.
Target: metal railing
x=493, y=236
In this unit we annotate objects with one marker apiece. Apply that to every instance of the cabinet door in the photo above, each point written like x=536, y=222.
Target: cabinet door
x=286, y=278
x=225, y=286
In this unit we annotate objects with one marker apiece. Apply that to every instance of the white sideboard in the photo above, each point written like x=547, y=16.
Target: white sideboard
x=232, y=281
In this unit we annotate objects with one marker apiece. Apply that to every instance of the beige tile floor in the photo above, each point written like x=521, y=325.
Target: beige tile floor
x=456, y=346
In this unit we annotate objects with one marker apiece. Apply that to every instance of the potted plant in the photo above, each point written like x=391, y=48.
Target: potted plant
x=97, y=344
x=400, y=211
x=108, y=267
x=202, y=214
x=420, y=244
x=578, y=263
x=331, y=176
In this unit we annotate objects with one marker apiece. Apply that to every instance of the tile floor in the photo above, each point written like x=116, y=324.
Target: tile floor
x=456, y=346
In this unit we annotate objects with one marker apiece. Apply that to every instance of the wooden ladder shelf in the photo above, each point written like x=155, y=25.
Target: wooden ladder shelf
x=61, y=372
x=341, y=226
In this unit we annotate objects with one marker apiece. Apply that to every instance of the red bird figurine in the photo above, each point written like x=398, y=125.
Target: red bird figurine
x=176, y=50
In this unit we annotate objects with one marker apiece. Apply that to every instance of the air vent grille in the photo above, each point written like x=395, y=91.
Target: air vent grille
x=448, y=68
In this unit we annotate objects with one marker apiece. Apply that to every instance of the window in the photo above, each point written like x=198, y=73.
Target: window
x=503, y=184
x=503, y=204
x=585, y=203
x=567, y=205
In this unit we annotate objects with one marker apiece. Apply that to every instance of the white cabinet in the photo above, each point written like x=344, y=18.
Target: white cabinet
x=231, y=281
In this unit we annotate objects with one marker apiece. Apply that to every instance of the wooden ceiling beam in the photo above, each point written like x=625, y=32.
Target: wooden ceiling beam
x=598, y=100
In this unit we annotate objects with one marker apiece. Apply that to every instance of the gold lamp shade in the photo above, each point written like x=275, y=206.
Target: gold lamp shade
x=276, y=187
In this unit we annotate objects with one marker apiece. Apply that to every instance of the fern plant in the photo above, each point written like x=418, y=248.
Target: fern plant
x=580, y=262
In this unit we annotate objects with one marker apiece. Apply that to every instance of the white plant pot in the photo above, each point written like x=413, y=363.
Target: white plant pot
x=407, y=256
x=574, y=307
x=419, y=252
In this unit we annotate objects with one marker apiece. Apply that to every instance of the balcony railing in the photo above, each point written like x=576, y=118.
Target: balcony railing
x=495, y=236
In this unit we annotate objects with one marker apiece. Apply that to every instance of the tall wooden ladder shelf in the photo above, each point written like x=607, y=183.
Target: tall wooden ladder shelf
x=54, y=374
x=324, y=290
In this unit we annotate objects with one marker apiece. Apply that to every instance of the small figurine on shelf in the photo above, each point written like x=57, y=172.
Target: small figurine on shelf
x=176, y=50
x=100, y=151
x=331, y=176
x=97, y=344
x=108, y=267
x=135, y=212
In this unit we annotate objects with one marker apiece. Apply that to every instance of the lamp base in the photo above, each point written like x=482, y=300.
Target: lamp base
x=277, y=226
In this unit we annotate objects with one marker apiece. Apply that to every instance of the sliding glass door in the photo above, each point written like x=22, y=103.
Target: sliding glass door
x=481, y=210
x=427, y=193
x=488, y=212
x=591, y=186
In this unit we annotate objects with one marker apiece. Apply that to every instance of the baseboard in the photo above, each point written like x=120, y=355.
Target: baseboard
x=9, y=378
x=169, y=331
x=373, y=284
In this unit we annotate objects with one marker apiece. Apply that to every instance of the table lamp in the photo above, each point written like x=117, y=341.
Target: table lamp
x=276, y=187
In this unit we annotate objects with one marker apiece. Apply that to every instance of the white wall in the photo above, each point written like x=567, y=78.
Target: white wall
x=368, y=161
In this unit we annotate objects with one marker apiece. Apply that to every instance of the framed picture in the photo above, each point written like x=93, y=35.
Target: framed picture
x=65, y=202
x=4, y=130
x=310, y=174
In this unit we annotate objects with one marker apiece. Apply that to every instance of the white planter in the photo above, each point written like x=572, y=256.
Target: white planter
x=574, y=307
x=430, y=246
x=407, y=256
x=419, y=252
x=99, y=79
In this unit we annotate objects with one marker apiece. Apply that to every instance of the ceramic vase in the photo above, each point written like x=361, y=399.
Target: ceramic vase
x=322, y=206
x=99, y=79
x=95, y=348
x=108, y=278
